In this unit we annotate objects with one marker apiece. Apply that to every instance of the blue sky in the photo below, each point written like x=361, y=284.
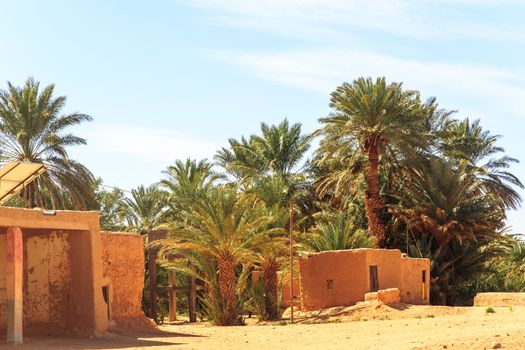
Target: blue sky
x=171, y=79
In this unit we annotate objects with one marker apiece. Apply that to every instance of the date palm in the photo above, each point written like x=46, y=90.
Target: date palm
x=268, y=166
x=186, y=182
x=378, y=120
x=147, y=207
x=32, y=129
x=465, y=140
x=225, y=229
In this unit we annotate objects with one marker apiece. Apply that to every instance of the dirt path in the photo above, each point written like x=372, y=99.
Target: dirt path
x=465, y=328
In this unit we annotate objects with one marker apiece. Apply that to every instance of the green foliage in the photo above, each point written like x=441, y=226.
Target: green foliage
x=146, y=209
x=113, y=208
x=490, y=310
x=337, y=231
x=32, y=129
x=506, y=272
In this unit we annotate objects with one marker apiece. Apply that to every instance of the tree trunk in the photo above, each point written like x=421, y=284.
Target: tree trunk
x=227, y=285
x=269, y=274
x=373, y=201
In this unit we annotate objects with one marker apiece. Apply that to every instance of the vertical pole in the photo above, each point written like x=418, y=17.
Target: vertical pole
x=172, y=278
x=14, y=284
x=291, y=261
x=152, y=268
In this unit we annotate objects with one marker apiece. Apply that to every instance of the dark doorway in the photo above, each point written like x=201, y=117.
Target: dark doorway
x=374, y=284
x=423, y=284
x=105, y=294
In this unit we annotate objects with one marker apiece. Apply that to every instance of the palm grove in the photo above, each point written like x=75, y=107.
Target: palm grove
x=390, y=171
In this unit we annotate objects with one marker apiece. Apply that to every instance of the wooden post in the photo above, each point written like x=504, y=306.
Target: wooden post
x=14, y=284
x=172, y=278
x=192, y=299
x=291, y=262
x=152, y=268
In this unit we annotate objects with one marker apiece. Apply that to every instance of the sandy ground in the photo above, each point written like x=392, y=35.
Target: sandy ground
x=363, y=327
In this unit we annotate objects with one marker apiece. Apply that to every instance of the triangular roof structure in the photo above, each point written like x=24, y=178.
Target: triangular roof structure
x=17, y=175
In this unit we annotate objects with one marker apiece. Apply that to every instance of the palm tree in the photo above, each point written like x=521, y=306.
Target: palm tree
x=147, y=207
x=337, y=231
x=268, y=167
x=33, y=130
x=463, y=140
x=446, y=217
x=444, y=201
x=222, y=233
x=380, y=121
x=112, y=207
x=186, y=182
x=277, y=152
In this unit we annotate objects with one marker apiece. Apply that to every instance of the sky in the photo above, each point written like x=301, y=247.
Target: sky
x=169, y=79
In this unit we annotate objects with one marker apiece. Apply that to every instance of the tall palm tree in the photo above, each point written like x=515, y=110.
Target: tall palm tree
x=268, y=166
x=147, y=207
x=32, y=129
x=379, y=120
x=224, y=229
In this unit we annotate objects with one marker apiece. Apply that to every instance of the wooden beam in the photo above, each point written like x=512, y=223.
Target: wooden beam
x=192, y=298
x=172, y=278
x=152, y=269
x=14, y=284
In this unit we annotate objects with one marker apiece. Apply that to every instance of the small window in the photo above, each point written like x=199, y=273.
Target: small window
x=329, y=284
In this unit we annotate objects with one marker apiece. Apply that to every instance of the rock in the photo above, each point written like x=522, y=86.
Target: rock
x=495, y=345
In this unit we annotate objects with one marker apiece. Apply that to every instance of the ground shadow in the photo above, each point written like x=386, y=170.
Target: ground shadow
x=122, y=340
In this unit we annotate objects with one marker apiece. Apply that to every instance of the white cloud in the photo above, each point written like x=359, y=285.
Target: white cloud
x=322, y=69
x=324, y=19
x=149, y=144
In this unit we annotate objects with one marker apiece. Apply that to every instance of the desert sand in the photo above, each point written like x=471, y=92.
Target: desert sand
x=369, y=326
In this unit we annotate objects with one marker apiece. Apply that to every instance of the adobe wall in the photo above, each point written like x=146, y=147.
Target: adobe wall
x=412, y=279
x=346, y=270
x=388, y=262
x=284, y=282
x=499, y=299
x=342, y=278
x=123, y=270
x=3, y=306
x=62, y=271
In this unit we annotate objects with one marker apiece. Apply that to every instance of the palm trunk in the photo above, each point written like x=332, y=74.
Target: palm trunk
x=373, y=201
x=269, y=274
x=227, y=285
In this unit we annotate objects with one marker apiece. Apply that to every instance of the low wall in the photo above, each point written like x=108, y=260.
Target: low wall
x=390, y=296
x=499, y=299
x=333, y=278
x=123, y=270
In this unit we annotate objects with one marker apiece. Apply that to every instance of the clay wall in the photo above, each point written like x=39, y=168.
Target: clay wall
x=388, y=262
x=499, y=299
x=123, y=271
x=284, y=283
x=341, y=278
x=333, y=278
x=412, y=291
x=3, y=306
x=61, y=269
